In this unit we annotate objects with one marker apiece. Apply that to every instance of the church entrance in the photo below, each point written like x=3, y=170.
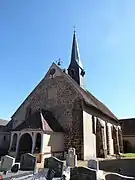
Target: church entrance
x=25, y=145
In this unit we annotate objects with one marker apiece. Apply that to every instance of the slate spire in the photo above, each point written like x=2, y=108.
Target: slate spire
x=75, y=69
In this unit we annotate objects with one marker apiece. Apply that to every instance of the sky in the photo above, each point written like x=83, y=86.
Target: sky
x=35, y=33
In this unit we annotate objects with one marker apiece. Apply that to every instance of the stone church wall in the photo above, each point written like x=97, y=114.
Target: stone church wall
x=59, y=96
x=103, y=120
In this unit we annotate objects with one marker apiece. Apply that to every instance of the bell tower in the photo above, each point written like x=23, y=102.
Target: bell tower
x=75, y=69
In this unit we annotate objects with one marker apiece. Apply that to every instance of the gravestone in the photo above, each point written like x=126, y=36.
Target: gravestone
x=115, y=176
x=28, y=162
x=54, y=164
x=6, y=163
x=71, y=158
x=93, y=164
x=83, y=173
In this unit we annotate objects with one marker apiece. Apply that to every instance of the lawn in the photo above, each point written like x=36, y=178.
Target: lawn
x=129, y=155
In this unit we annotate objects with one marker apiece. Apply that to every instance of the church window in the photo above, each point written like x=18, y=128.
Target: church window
x=93, y=125
x=72, y=72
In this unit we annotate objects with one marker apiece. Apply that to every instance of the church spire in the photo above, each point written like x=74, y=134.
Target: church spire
x=75, y=69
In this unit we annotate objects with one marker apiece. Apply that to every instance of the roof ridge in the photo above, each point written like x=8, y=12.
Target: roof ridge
x=95, y=102
x=101, y=103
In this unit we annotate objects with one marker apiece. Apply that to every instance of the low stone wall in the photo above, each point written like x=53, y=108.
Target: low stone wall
x=125, y=167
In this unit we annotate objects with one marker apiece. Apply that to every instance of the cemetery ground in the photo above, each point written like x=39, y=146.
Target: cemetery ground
x=71, y=168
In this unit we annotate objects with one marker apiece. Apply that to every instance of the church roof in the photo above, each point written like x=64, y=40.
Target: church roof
x=3, y=122
x=91, y=100
x=75, y=55
x=41, y=119
x=87, y=96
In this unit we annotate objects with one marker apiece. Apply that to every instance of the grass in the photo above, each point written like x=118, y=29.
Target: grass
x=129, y=155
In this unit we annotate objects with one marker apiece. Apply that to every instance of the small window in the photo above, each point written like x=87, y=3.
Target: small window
x=72, y=72
x=93, y=125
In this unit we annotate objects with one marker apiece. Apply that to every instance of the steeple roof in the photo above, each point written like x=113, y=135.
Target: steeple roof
x=75, y=55
x=75, y=69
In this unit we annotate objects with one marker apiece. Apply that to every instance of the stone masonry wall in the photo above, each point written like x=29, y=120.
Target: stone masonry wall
x=59, y=96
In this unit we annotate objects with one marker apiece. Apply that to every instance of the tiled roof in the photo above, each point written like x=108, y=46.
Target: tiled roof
x=92, y=100
x=128, y=126
x=3, y=122
x=41, y=120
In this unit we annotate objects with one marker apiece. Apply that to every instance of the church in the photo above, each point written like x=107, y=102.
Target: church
x=60, y=113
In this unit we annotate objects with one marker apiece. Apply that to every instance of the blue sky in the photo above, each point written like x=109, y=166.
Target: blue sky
x=34, y=33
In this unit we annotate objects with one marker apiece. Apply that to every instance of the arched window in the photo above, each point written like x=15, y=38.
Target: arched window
x=38, y=143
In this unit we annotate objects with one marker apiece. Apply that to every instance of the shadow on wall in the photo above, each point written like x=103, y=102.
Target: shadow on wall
x=4, y=144
x=128, y=148
x=124, y=167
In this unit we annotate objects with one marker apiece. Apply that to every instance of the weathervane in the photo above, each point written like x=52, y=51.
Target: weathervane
x=59, y=62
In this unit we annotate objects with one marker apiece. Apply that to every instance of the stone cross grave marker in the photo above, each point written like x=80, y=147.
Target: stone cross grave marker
x=28, y=162
x=93, y=164
x=54, y=164
x=115, y=176
x=6, y=163
x=71, y=158
x=83, y=173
